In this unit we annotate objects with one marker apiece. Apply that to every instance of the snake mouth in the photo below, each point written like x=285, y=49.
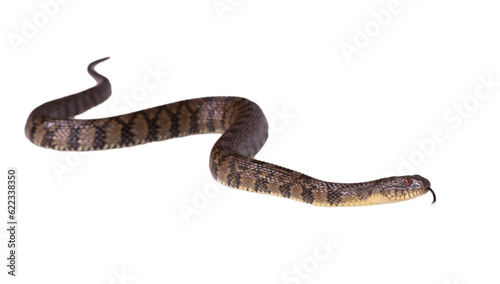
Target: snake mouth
x=433, y=195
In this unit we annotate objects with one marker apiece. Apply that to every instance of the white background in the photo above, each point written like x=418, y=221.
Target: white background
x=115, y=216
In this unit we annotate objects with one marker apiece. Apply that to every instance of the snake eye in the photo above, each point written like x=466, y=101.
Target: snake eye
x=407, y=181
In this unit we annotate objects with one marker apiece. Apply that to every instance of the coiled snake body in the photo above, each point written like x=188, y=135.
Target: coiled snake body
x=244, y=127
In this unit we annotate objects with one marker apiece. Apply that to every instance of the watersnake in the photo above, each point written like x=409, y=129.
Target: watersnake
x=244, y=131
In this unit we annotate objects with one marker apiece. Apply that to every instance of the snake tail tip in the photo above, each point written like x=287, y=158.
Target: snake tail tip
x=433, y=196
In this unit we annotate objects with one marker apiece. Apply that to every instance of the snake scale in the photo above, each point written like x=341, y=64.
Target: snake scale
x=244, y=131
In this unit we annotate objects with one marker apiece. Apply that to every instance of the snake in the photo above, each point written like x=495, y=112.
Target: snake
x=244, y=131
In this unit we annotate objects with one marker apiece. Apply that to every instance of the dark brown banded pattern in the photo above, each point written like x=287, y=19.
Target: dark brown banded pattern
x=244, y=127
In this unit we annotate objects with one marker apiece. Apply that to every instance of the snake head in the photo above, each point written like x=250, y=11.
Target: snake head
x=394, y=189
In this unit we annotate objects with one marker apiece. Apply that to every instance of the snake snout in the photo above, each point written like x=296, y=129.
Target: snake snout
x=427, y=184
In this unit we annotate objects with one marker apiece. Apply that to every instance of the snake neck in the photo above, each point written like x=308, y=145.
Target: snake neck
x=237, y=171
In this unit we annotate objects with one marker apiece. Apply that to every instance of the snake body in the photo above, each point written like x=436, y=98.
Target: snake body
x=244, y=131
